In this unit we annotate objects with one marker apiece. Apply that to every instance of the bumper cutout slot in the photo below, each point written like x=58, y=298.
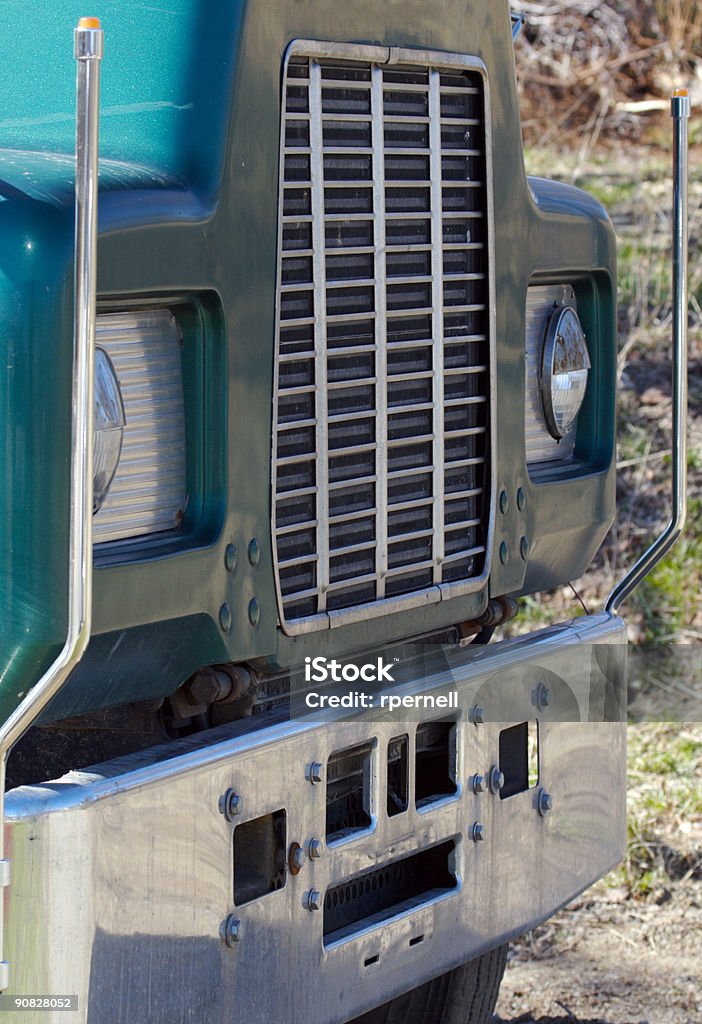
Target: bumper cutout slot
x=377, y=895
x=398, y=775
x=259, y=857
x=519, y=758
x=435, y=762
x=349, y=791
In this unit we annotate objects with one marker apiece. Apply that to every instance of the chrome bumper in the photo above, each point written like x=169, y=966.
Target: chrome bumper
x=123, y=878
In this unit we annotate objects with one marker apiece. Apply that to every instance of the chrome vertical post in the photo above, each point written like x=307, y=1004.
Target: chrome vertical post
x=88, y=48
x=680, y=111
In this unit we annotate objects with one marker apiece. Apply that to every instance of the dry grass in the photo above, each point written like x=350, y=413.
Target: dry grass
x=603, y=71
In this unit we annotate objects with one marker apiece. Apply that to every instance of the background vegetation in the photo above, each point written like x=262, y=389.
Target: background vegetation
x=595, y=81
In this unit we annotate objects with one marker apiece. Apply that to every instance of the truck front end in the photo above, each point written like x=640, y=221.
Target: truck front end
x=354, y=396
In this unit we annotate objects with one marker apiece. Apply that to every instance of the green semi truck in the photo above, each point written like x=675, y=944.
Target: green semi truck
x=303, y=384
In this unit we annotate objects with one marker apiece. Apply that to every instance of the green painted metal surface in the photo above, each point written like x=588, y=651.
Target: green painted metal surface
x=191, y=98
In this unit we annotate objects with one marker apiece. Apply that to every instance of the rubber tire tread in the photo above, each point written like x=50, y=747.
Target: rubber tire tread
x=465, y=995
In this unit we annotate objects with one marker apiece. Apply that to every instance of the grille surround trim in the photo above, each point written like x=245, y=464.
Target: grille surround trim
x=428, y=62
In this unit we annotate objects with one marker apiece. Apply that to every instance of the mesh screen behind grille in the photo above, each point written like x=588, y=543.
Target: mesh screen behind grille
x=381, y=419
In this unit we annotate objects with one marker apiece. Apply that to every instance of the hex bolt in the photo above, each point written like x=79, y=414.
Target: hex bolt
x=230, y=804
x=316, y=849
x=496, y=779
x=477, y=715
x=477, y=832
x=477, y=783
x=314, y=773
x=313, y=900
x=230, y=930
x=545, y=802
x=296, y=859
x=543, y=696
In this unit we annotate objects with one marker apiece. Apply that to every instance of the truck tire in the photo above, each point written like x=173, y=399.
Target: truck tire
x=465, y=995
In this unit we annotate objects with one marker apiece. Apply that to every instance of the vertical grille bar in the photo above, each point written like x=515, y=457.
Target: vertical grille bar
x=437, y=325
x=320, y=341
x=381, y=404
x=381, y=365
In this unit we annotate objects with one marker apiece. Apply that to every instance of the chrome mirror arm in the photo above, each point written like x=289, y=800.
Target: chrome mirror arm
x=680, y=111
x=88, y=50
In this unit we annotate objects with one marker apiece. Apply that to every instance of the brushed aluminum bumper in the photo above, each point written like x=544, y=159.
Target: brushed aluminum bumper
x=124, y=875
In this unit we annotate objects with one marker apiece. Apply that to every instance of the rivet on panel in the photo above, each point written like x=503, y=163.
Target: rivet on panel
x=254, y=551
x=504, y=502
x=230, y=557
x=225, y=618
x=524, y=548
x=254, y=611
x=521, y=499
x=504, y=552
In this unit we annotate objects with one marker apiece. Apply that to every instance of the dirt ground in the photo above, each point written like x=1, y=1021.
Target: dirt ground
x=629, y=950
x=608, y=959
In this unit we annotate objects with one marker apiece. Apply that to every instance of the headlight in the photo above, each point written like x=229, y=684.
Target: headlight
x=565, y=366
x=148, y=493
x=109, y=426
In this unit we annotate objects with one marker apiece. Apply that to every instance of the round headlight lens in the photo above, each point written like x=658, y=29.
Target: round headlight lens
x=565, y=368
x=109, y=427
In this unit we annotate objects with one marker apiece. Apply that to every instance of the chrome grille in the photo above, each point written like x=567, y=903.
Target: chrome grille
x=380, y=460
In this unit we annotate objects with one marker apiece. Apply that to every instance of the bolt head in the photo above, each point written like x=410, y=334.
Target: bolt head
x=545, y=802
x=230, y=930
x=315, y=773
x=504, y=553
x=230, y=804
x=477, y=716
x=477, y=832
x=296, y=860
x=504, y=502
x=316, y=849
x=543, y=696
x=477, y=783
x=497, y=779
x=313, y=900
